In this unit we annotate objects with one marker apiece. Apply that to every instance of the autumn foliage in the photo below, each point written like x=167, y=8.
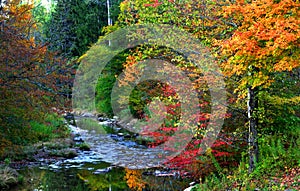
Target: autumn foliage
x=266, y=41
x=253, y=41
x=32, y=79
x=134, y=179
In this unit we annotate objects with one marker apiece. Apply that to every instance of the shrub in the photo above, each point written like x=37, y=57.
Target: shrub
x=8, y=176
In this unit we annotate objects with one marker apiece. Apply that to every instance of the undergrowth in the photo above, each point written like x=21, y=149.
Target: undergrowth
x=278, y=168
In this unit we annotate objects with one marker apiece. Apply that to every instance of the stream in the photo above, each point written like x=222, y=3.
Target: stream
x=116, y=160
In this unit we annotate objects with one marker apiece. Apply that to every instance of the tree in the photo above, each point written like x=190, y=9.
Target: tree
x=29, y=74
x=75, y=25
x=67, y=26
x=134, y=179
x=41, y=16
x=166, y=12
x=265, y=43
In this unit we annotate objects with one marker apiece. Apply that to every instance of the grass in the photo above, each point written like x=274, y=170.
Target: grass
x=18, y=143
x=278, y=169
x=8, y=177
x=52, y=127
x=91, y=125
x=242, y=181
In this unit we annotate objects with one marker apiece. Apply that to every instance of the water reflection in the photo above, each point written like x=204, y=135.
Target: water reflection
x=89, y=172
x=85, y=179
x=134, y=179
x=36, y=179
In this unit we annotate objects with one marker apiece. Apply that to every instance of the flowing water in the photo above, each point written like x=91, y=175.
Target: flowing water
x=103, y=166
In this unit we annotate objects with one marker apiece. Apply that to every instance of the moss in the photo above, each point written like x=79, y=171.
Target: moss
x=71, y=154
x=84, y=147
x=65, y=153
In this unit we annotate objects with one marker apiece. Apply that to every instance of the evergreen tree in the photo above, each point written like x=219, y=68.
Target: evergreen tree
x=75, y=25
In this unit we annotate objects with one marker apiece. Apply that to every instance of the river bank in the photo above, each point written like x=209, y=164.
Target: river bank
x=91, y=158
x=94, y=153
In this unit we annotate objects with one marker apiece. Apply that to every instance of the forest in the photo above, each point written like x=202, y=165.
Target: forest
x=214, y=82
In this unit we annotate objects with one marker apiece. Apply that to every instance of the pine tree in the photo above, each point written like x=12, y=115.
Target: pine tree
x=75, y=25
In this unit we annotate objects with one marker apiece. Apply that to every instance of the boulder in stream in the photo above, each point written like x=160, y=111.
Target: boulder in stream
x=103, y=171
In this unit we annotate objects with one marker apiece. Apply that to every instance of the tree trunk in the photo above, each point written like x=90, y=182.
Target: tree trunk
x=252, y=137
x=109, y=21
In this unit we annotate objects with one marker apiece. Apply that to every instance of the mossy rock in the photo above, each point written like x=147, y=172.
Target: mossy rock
x=65, y=153
x=84, y=147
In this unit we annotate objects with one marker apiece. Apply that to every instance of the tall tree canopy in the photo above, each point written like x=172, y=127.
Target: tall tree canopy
x=31, y=77
x=258, y=42
x=266, y=42
x=75, y=25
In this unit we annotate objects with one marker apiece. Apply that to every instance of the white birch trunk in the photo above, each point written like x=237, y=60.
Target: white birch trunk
x=252, y=105
x=109, y=21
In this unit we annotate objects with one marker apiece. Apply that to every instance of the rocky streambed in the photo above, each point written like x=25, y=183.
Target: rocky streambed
x=98, y=156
